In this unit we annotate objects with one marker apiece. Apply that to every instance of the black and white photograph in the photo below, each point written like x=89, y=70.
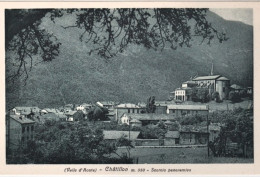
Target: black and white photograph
x=129, y=86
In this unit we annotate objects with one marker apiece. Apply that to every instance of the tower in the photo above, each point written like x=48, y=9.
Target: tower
x=212, y=69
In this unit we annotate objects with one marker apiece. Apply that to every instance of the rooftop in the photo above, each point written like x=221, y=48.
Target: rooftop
x=183, y=88
x=26, y=110
x=70, y=113
x=206, y=78
x=188, y=107
x=127, y=105
x=21, y=119
x=50, y=115
x=114, y=134
x=135, y=121
x=223, y=79
x=189, y=82
x=151, y=116
x=172, y=134
x=235, y=86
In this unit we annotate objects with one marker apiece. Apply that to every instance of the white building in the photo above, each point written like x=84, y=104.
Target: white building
x=181, y=94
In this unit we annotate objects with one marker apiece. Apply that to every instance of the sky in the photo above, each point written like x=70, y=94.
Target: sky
x=236, y=14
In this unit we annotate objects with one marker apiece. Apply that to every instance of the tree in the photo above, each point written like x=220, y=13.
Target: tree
x=243, y=93
x=175, y=126
x=97, y=113
x=122, y=141
x=150, y=106
x=202, y=95
x=238, y=128
x=234, y=97
x=72, y=143
x=193, y=94
x=215, y=96
x=109, y=31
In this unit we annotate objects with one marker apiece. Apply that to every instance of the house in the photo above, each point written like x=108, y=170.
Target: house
x=69, y=115
x=236, y=88
x=84, y=107
x=75, y=116
x=135, y=123
x=189, y=84
x=125, y=119
x=172, y=138
x=55, y=116
x=19, y=130
x=182, y=94
x=181, y=110
x=113, y=135
x=127, y=108
x=49, y=116
x=111, y=114
x=249, y=90
x=193, y=137
x=106, y=104
x=80, y=108
x=160, y=107
x=21, y=110
x=50, y=110
x=151, y=118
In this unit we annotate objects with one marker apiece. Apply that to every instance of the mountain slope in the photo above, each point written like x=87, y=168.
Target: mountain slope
x=76, y=77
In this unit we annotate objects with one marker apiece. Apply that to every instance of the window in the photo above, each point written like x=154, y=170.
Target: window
x=133, y=110
x=32, y=128
x=177, y=141
x=173, y=111
x=23, y=129
x=128, y=110
x=27, y=129
x=138, y=111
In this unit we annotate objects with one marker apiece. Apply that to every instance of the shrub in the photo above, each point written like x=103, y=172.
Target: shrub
x=234, y=97
x=216, y=97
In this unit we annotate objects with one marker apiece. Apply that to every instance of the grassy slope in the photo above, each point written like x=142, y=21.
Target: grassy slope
x=179, y=156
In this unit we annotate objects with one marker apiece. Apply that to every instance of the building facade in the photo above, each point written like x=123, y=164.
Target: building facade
x=215, y=83
x=182, y=110
x=127, y=108
x=19, y=130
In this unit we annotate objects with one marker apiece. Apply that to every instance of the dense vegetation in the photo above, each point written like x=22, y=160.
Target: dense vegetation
x=82, y=142
x=68, y=143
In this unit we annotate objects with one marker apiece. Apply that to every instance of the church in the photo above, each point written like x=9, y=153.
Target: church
x=214, y=83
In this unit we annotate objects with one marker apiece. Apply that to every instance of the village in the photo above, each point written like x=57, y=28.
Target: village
x=182, y=121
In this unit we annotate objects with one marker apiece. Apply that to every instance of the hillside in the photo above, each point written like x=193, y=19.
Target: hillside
x=76, y=77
